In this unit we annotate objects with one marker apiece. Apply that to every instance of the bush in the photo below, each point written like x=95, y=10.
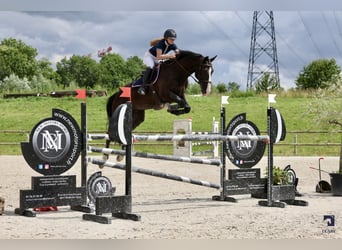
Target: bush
x=193, y=89
x=40, y=84
x=221, y=88
x=318, y=74
x=238, y=93
x=14, y=84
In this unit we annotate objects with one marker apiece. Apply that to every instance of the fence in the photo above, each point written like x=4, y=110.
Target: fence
x=296, y=142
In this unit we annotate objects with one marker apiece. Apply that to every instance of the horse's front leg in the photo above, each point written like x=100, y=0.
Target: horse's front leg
x=181, y=106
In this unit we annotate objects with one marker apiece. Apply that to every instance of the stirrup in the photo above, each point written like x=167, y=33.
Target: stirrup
x=141, y=91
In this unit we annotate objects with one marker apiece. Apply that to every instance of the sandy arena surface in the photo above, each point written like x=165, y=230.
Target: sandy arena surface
x=177, y=210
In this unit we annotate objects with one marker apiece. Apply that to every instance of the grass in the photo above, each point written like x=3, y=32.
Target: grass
x=24, y=113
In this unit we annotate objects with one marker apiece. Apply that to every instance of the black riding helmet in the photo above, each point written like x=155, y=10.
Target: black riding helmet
x=170, y=33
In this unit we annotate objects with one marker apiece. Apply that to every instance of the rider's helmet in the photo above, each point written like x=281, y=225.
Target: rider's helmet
x=170, y=33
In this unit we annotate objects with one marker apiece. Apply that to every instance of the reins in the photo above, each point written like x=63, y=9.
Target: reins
x=186, y=71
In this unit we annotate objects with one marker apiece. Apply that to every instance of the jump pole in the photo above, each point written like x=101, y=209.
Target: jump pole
x=154, y=173
x=156, y=156
x=171, y=137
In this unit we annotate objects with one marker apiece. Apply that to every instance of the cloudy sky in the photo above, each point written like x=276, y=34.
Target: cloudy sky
x=301, y=35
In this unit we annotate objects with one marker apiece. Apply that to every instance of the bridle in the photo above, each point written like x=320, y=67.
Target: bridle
x=205, y=65
x=190, y=74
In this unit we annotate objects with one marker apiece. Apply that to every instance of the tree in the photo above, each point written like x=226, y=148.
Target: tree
x=325, y=111
x=112, y=68
x=134, y=67
x=64, y=72
x=115, y=71
x=17, y=58
x=45, y=69
x=81, y=69
x=266, y=83
x=319, y=74
x=221, y=87
x=233, y=87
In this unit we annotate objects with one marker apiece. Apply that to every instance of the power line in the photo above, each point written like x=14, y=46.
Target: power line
x=337, y=24
x=243, y=21
x=331, y=33
x=224, y=33
x=310, y=35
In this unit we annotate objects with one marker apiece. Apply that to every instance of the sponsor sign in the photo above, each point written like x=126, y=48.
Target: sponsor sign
x=55, y=144
x=244, y=153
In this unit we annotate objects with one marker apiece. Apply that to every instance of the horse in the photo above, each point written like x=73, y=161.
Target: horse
x=168, y=89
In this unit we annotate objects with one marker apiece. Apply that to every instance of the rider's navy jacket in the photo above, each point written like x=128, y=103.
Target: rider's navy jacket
x=162, y=44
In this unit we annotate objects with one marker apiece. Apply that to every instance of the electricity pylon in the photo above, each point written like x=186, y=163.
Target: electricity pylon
x=263, y=51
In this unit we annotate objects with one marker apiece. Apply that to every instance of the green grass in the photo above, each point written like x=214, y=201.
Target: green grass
x=24, y=113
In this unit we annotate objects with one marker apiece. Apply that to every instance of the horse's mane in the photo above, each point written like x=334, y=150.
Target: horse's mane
x=186, y=53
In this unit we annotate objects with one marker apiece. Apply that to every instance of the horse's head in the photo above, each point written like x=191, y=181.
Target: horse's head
x=203, y=74
x=191, y=62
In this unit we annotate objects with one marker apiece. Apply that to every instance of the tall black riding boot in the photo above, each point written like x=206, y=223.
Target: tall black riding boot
x=146, y=76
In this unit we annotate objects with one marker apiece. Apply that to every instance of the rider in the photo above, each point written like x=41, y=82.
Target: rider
x=164, y=49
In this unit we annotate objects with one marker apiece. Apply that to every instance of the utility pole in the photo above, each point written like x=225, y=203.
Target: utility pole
x=263, y=51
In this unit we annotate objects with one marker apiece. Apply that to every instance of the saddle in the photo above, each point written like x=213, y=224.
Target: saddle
x=152, y=79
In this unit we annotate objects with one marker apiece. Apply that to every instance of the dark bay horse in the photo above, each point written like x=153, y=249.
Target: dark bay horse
x=169, y=89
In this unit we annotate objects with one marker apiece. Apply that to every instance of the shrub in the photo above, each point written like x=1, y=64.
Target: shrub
x=14, y=84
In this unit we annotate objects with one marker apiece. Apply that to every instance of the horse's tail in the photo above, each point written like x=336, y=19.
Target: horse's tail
x=110, y=104
x=113, y=101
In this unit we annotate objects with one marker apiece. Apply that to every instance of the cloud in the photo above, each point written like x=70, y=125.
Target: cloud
x=301, y=36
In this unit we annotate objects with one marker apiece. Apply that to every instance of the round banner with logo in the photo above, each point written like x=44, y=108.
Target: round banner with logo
x=55, y=144
x=244, y=153
x=99, y=185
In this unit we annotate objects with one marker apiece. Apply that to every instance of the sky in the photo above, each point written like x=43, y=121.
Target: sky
x=302, y=35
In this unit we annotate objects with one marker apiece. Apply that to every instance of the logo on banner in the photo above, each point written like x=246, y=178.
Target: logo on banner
x=98, y=185
x=55, y=144
x=244, y=153
x=51, y=140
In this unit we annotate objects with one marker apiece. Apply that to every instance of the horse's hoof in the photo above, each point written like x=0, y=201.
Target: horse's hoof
x=119, y=158
x=105, y=157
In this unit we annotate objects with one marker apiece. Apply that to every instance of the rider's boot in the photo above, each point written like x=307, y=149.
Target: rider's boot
x=146, y=76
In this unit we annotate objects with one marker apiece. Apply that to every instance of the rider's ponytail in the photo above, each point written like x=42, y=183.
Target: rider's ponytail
x=155, y=41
